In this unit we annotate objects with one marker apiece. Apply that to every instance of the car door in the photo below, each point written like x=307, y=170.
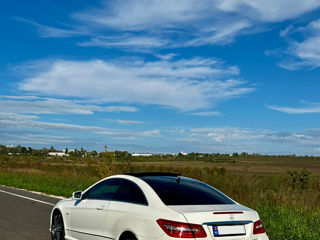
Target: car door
x=128, y=204
x=87, y=216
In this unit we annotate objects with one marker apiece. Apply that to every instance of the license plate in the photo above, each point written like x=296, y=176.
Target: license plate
x=229, y=230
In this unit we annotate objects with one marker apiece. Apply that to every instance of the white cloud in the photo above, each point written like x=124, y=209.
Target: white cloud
x=152, y=14
x=165, y=24
x=125, y=139
x=34, y=138
x=219, y=34
x=26, y=129
x=118, y=109
x=126, y=41
x=20, y=121
x=305, y=53
x=306, y=108
x=272, y=10
x=186, y=84
x=142, y=15
x=37, y=105
x=130, y=122
x=224, y=134
x=147, y=24
x=52, y=32
x=230, y=139
x=208, y=113
x=166, y=57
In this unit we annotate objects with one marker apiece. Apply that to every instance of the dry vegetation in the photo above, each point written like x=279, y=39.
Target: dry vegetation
x=284, y=190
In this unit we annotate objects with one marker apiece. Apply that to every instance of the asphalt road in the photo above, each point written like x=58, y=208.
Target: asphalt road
x=24, y=218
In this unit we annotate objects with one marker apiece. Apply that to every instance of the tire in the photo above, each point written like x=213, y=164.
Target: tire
x=57, y=227
x=128, y=236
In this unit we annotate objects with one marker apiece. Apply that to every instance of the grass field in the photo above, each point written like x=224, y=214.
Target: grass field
x=288, y=203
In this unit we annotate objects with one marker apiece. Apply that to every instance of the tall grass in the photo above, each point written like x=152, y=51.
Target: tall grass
x=288, y=206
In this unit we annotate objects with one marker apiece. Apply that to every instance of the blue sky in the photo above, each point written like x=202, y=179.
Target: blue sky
x=162, y=76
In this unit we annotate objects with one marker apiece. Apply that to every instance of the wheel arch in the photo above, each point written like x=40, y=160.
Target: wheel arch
x=56, y=211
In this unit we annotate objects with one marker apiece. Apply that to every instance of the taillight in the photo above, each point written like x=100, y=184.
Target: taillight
x=181, y=230
x=258, y=227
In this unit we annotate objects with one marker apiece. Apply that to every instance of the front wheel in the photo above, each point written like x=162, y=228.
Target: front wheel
x=57, y=227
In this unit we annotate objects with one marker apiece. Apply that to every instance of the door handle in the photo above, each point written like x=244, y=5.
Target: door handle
x=100, y=208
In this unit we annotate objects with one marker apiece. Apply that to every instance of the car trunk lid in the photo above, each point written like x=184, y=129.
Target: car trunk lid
x=221, y=221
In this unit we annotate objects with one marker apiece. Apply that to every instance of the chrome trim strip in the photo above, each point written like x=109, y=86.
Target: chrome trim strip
x=227, y=223
x=90, y=234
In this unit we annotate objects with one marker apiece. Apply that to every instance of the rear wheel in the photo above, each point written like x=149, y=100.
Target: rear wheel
x=128, y=236
x=57, y=227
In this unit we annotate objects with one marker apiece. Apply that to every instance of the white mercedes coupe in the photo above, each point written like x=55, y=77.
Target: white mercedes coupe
x=153, y=206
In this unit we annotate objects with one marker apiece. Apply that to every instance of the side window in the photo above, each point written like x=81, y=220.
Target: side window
x=130, y=192
x=104, y=190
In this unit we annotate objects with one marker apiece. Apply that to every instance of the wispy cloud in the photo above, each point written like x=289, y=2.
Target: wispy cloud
x=306, y=52
x=306, y=108
x=25, y=138
x=269, y=11
x=205, y=114
x=21, y=121
x=151, y=24
x=37, y=105
x=219, y=34
x=166, y=57
x=230, y=139
x=185, y=84
x=130, y=122
x=52, y=32
x=26, y=129
x=126, y=41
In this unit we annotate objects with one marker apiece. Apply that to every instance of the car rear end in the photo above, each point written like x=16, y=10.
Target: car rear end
x=225, y=221
x=208, y=213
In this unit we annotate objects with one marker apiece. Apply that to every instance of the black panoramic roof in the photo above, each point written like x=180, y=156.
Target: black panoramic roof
x=146, y=174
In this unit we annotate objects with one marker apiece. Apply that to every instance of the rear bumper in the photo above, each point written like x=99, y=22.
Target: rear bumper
x=166, y=237
x=261, y=237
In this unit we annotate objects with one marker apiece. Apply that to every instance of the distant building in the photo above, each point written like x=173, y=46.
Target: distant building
x=58, y=154
x=183, y=153
x=142, y=154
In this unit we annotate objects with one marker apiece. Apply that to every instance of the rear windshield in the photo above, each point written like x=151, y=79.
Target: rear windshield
x=185, y=191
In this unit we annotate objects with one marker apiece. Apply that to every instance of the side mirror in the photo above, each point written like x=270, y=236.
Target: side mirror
x=77, y=195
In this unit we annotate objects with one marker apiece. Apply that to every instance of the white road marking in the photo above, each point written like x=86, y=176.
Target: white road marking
x=32, y=199
x=38, y=193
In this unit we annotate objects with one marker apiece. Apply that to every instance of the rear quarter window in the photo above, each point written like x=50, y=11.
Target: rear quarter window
x=129, y=192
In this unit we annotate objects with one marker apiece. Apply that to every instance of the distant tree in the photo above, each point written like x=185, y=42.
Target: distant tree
x=106, y=168
x=23, y=150
x=122, y=155
x=94, y=153
x=30, y=150
x=44, y=151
